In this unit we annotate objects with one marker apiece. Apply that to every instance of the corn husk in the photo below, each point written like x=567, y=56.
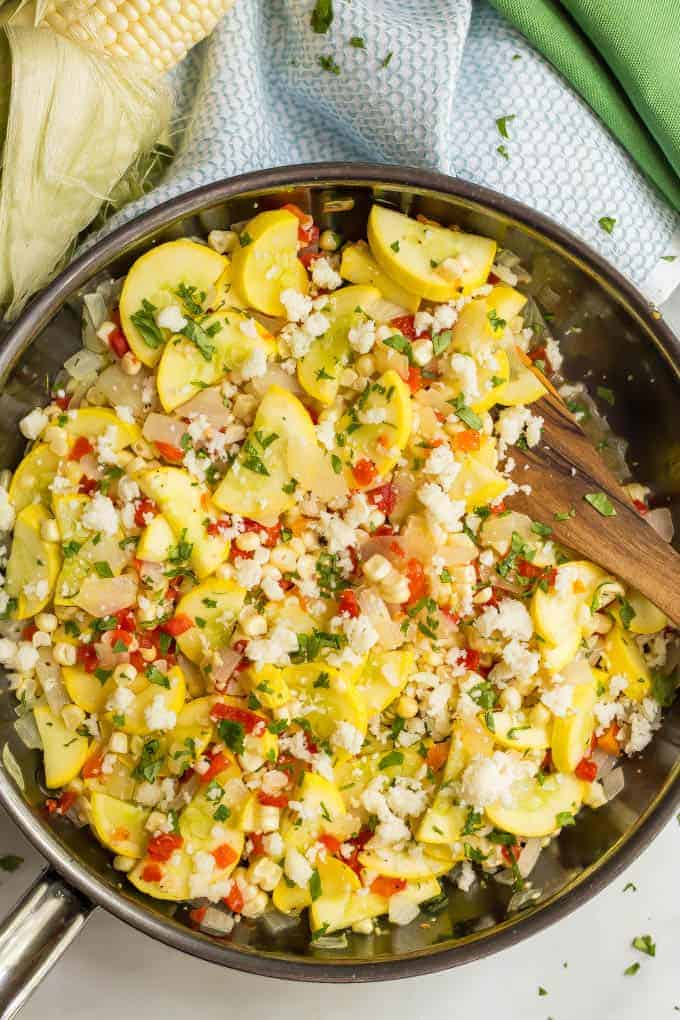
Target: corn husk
x=77, y=121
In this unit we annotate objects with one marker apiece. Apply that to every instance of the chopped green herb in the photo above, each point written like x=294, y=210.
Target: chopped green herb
x=154, y=675
x=232, y=734
x=495, y=320
x=630, y=885
x=221, y=813
x=502, y=124
x=565, y=818
x=542, y=990
x=645, y=944
x=357, y=41
x=336, y=463
x=103, y=675
x=664, y=688
x=395, y=246
x=502, y=150
x=245, y=239
x=626, y=612
x=327, y=63
x=390, y=759
x=565, y=515
x=601, y=502
x=669, y=258
x=103, y=569
x=200, y=337
x=145, y=322
x=606, y=394
x=466, y=414
x=440, y=341
x=322, y=16
x=10, y=862
x=544, y=530
x=385, y=62
x=607, y=223
x=633, y=969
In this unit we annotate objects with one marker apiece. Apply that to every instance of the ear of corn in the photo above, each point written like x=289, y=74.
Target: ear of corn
x=157, y=32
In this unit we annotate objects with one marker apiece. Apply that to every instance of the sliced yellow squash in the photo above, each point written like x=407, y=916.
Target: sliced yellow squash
x=413, y=864
x=86, y=690
x=229, y=338
x=358, y=266
x=412, y=253
x=523, y=386
x=625, y=659
x=647, y=619
x=538, y=810
x=33, y=476
x=381, y=442
x=138, y=718
x=174, y=881
x=259, y=484
x=185, y=504
x=93, y=422
x=383, y=679
x=516, y=730
x=319, y=370
x=82, y=548
x=156, y=541
x=477, y=484
x=64, y=752
x=557, y=612
x=34, y=563
x=119, y=825
x=571, y=734
x=156, y=278
x=214, y=607
x=266, y=262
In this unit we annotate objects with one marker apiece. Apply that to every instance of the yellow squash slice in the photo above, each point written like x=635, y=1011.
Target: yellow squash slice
x=625, y=659
x=155, y=278
x=266, y=262
x=85, y=690
x=413, y=864
x=33, y=476
x=174, y=881
x=82, y=548
x=156, y=541
x=329, y=697
x=412, y=253
x=322, y=810
x=383, y=679
x=138, y=718
x=119, y=825
x=33, y=564
x=93, y=422
x=64, y=752
x=557, y=612
x=320, y=369
x=647, y=619
x=230, y=339
x=571, y=733
x=538, y=810
x=214, y=607
x=185, y=504
x=516, y=730
x=259, y=484
x=382, y=442
x=359, y=266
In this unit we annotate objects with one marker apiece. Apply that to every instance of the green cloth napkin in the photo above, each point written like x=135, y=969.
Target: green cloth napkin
x=623, y=58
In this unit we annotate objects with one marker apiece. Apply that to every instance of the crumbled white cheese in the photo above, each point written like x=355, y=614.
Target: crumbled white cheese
x=255, y=365
x=324, y=276
x=443, y=510
x=443, y=465
x=33, y=423
x=510, y=618
x=298, y=306
x=100, y=515
x=362, y=336
x=171, y=318
x=297, y=868
x=490, y=779
x=347, y=737
x=158, y=716
x=465, y=369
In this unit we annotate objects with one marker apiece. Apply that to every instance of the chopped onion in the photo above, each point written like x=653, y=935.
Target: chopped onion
x=384, y=311
x=83, y=364
x=276, y=922
x=104, y=596
x=13, y=767
x=496, y=531
x=383, y=545
x=217, y=922
x=386, y=358
x=522, y=898
x=208, y=402
x=662, y=522
x=389, y=632
x=274, y=376
x=160, y=428
x=153, y=574
x=123, y=390
x=613, y=783
x=605, y=762
x=228, y=661
x=55, y=695
x=528, y=857
x=27, y=731
x=404, y=482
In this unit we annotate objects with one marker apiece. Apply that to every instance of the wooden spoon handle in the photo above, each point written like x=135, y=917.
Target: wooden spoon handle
x=562, y=470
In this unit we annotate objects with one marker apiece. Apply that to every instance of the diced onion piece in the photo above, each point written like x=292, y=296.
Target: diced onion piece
x=613, y=783
x=228, y=661
x=389, y=632
x=160, y=428
x=83, y=364
x=27, y=731
x=528, y=856
x=274, y=376
x=55, y=694
x=662, y=522
x=123, y=390
x=208, y=402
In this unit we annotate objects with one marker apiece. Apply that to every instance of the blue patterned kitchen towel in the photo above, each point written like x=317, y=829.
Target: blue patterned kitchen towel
x=443, y=84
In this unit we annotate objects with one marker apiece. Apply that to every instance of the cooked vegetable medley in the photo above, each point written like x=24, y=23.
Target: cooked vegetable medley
x=268, y=611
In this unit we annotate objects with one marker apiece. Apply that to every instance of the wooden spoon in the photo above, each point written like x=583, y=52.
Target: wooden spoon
x=562, y=470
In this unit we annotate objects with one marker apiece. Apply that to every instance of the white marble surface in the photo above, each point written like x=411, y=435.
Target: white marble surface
x=115, y=972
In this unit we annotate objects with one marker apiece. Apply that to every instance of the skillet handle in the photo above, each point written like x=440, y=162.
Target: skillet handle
x=40, y=928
